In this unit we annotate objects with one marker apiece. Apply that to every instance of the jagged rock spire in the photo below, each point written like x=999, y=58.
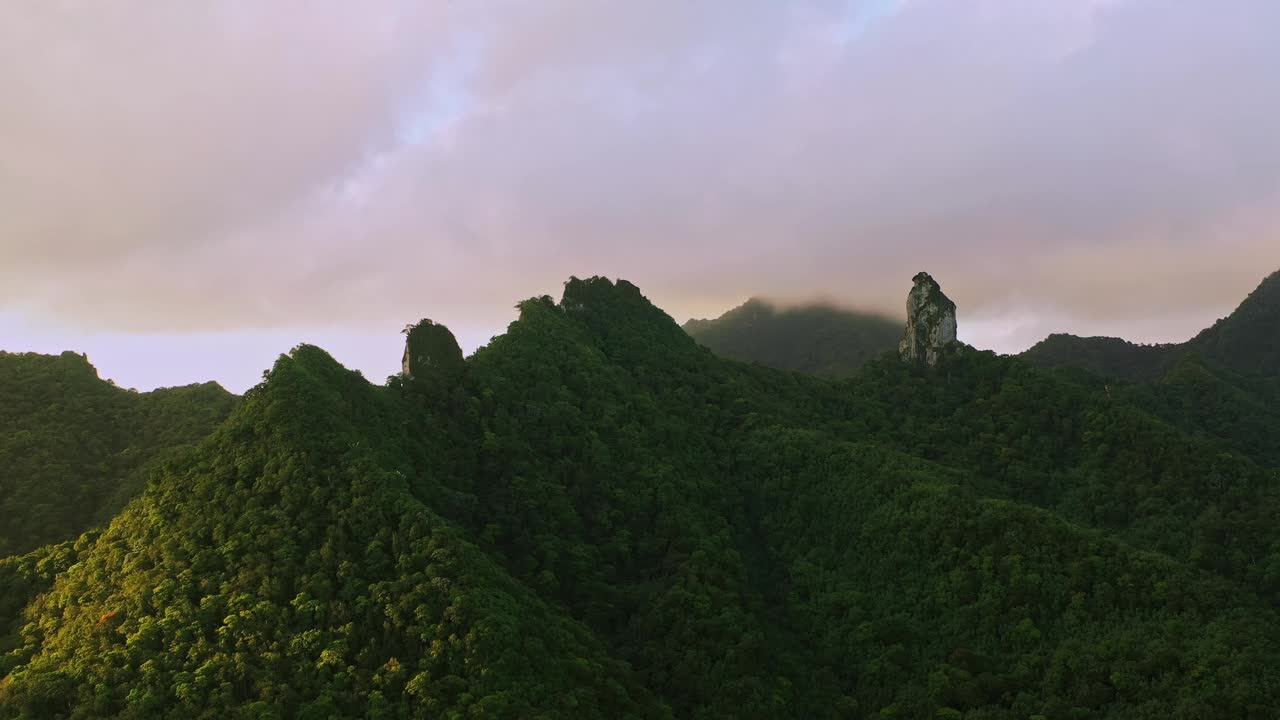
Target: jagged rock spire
x=931, y=322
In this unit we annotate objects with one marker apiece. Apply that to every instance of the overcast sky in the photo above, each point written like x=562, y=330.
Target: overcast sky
x=188, y=189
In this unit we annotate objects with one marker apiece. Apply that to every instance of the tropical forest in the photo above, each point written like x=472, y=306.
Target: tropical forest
x=595, y=516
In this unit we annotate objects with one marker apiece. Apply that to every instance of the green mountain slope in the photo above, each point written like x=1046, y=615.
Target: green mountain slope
x=1247, y=341
x=1105, y=356
x=818, y=339
x=74, y=448
x=803, y=548
x=594, y=516
x=286, y=569
x=1241, y=410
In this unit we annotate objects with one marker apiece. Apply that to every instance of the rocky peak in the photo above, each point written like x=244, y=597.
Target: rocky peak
x=600, y=294
x=431, y=353
x=620, y=316
x=931, y=322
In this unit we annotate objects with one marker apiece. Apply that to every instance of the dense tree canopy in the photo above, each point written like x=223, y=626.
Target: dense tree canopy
x=597, y=517
x=74, y=448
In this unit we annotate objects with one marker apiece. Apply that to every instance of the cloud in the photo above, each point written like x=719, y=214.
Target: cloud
x=228, y=166
x=132, y=129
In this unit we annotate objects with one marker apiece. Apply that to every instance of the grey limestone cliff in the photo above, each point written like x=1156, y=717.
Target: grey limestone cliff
x=931, y=322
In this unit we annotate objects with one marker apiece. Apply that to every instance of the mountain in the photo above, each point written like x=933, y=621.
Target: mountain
x=594, y=516
x=817, y=339
x=1247, y=341
x=75, y=448
x=285, y=567
x=1105, y=356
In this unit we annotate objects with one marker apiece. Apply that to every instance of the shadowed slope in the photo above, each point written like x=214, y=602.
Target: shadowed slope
x=1247, y=341
x=817, y=339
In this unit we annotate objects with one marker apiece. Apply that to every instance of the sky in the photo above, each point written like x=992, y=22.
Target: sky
x=189, y=189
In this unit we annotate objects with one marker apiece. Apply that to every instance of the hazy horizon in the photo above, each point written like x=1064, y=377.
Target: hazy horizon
x=377, y=355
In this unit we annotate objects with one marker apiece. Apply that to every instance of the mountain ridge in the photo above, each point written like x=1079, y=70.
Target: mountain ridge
x=360, y=511
x=1246, y=341
x=597, y=517
x=77, y=447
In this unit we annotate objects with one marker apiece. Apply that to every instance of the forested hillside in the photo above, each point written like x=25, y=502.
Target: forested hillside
x=1247, y=341
x=818, y=339
x=74, y=448
x=1104, y=356
x=595, y=517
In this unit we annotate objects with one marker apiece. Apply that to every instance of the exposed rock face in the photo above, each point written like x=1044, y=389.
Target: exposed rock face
x=931, y=322
x=431, y=353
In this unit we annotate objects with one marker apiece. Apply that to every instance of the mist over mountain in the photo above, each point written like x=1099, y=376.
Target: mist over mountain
x=815, y=338
x=595, y=517
x=826, y=340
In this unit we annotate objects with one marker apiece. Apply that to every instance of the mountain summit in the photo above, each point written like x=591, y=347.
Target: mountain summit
x=817, y=338
x=931, y=322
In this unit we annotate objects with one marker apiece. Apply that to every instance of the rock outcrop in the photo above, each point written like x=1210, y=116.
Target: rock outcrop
x=931, y=322
x=431, y=354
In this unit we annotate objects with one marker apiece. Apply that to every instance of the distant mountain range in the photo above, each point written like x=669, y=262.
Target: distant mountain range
x=828, y=341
